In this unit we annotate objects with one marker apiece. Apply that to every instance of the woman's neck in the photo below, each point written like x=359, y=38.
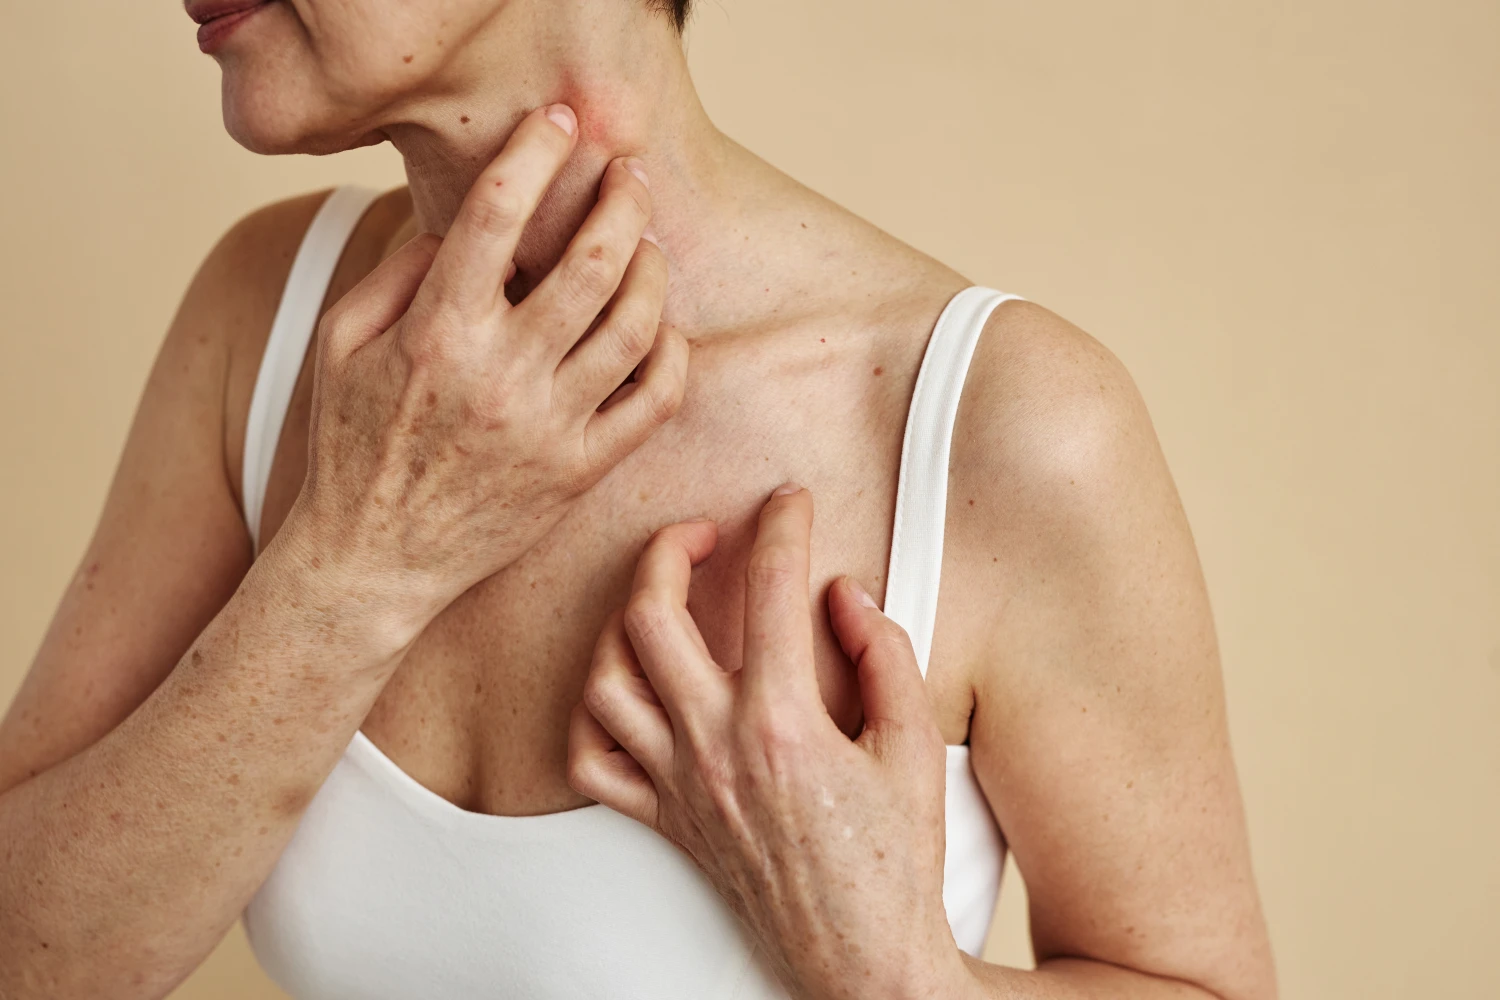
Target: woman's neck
x=627, y=80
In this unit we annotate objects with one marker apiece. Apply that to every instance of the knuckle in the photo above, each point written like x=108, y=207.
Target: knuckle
x=713, y=773
x=599, y=691
x=777, y=733
x=498, y=210
x=663, y=396
x=633, y=332
x=646, y=615
x=591, y=276
x=583, y=774
x=892, y=641
x=773, y=566
x=423, y=347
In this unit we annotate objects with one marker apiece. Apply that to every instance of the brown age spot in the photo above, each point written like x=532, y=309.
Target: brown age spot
x=431, y=398
x=465, y=118
x=234, y=779
x=418, y=468
x=197, y=657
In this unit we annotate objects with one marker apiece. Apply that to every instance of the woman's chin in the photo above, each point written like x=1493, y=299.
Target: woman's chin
x=272, y=125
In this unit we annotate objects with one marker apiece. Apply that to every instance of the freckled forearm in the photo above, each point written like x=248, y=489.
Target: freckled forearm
x=132, y=858
x=1076, y=979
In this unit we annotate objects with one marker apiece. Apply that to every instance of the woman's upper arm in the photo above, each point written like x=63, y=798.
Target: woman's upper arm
x=171, y=546
x=1099, y=732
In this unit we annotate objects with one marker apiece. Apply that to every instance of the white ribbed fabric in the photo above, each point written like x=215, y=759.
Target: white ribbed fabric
x=387, y=891
x=296, y=318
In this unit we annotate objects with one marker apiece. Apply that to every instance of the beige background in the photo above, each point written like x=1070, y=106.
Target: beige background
x=1283, y=216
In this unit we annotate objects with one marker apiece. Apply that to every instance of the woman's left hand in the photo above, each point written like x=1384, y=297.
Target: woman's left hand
x=829, y=849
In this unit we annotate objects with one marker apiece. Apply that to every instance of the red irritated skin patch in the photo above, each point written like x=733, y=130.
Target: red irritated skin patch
x=575, y=190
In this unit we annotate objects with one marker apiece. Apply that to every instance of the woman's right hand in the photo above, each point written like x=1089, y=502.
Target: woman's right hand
x=450, y=428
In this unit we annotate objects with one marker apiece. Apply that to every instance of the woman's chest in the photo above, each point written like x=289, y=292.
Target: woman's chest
x=478, y=711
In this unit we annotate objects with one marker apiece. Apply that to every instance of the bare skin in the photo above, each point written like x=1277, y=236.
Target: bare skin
x=1074, y=647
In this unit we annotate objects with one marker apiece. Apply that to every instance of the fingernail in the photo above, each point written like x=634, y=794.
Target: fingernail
x=862, y=595
x=510, y=272
x=635, y=166
x=562, y=117
x=786, y=488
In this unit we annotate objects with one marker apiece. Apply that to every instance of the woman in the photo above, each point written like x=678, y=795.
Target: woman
x=324, y=658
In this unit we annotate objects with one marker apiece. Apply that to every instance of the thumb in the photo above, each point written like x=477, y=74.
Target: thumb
x=897, y=710
x=376, y=303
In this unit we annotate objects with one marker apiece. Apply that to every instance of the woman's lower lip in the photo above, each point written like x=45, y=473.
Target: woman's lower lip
x=211, y=34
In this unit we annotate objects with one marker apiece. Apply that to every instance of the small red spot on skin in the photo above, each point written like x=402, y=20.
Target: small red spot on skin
x=822, y=340
x=407, y=59
x=879, y=370
x=499, y=183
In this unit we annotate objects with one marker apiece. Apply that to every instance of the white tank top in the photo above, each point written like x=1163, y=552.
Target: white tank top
x=387, y=891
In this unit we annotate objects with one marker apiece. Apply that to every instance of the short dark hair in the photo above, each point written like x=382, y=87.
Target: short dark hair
x=677, y=8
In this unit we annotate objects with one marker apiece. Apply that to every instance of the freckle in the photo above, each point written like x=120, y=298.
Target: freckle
x=465, y=119
x=432, y=399
x=277, y=722
x=804, y=225
x=318, y=563
x=265, y=830
x=1129, y=784
x=238, y=851
x=254, y=700
x=879, y=370
x=234, y=779
x=223, y=738
x=1085, y=711
x=407, y=59
x=478, y=688
x=197, y=657
x=971, y=503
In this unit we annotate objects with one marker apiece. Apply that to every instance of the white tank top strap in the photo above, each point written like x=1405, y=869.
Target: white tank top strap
x=286, y=347
x=916, y=564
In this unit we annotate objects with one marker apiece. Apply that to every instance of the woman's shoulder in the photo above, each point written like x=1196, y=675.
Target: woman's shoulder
x=1054, y=450
x=240, y=282
x=234, y=297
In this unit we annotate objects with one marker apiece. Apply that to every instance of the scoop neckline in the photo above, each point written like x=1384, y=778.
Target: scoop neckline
x=424, y=800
